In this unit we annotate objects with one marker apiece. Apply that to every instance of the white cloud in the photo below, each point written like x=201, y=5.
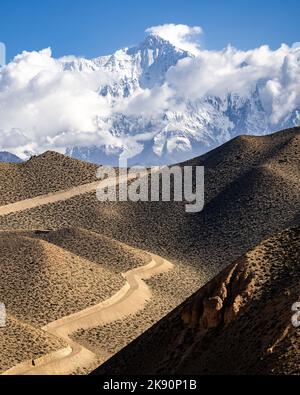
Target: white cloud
x=42, y=106
x=281, y=95
x=276, y=75
x=148, y=102
x=45, y=105
x=181, y=36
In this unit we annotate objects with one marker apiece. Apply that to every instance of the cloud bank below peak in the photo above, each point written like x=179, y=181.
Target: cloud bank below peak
x=48, y=103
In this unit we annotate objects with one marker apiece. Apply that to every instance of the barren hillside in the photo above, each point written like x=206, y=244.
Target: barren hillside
x=60, y=258
x=239, y=323
x=50, y=172
x=251, y=192
x=20, y=341
x=41, y=282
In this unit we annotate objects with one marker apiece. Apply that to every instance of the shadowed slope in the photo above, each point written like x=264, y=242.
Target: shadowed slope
x=7, y=157
x=239, y=323
x=111, y=254
x=251, y=192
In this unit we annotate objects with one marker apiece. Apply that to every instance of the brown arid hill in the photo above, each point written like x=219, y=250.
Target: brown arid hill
x=71, y=253
x=251, y=192
x=41, y=282
x=110, y=254
x=49, y=172
x=239, y=323
x=20, y=341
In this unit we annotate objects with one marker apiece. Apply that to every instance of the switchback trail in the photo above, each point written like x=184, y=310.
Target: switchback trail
x=129, y=300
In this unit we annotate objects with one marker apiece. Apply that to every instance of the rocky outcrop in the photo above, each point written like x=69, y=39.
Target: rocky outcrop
x=238, y=323
x=221, y=301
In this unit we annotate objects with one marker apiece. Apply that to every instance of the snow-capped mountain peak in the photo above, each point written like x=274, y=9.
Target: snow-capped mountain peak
x=147, y=62
x=162, y=101
x=159, y=47
x=177, y=134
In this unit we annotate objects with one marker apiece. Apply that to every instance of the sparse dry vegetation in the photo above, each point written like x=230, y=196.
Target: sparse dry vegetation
x=50, y=172
x=20, y=342
x=41, y=282
x=60, y=258
x=111, y=338
x=238, y=323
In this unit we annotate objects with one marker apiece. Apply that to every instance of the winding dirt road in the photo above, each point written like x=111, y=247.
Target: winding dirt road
x=54, y=197
x=128, y=300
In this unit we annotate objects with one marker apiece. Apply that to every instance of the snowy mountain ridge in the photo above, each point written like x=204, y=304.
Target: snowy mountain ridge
x=177, y=135
x=153, y=103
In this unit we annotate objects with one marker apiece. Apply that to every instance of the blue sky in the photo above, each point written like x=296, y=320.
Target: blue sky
x=98, y=27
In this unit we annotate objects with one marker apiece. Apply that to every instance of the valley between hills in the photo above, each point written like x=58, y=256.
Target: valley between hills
x=90, y=285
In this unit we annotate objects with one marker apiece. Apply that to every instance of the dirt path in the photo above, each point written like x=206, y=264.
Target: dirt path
x=129, y=300
x=59, y=196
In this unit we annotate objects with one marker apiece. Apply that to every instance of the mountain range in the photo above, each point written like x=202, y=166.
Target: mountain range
x=8, y=157
x=187, y=128
x=153, y=103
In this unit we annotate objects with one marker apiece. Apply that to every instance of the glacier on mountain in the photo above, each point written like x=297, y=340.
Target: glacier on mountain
x=193, y=128
x=153, y=103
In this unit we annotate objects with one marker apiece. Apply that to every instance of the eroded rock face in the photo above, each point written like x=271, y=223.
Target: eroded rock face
x=246, y=309
x=232, y=311
x=238, y=323
x=212, y=313
x=221, y=301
